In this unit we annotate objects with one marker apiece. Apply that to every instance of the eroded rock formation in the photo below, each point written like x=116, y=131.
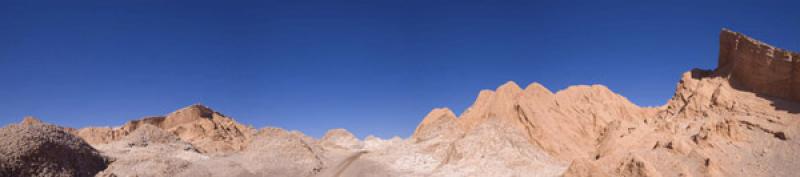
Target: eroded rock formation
x=207, y=130
x=756, y=66
x=33, y=148
x=740, y=119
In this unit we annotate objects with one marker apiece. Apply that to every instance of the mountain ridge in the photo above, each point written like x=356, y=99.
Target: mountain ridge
x=722, y=122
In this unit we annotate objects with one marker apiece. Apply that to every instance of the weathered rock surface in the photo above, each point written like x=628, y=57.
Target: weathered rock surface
x=566, y=124
x=439, y=123
x=718, y=123
x=584, y=168
x=341, y=138
x=33, y=148
x=149, y=151
x=205, y=129
x=756, y=66
x=273, y=152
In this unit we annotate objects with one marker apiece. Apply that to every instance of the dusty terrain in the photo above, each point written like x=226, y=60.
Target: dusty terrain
x=740, y=119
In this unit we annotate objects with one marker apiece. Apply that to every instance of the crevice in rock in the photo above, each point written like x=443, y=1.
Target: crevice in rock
x=777, y=134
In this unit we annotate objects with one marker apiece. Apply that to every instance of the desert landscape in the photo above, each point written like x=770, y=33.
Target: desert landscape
x=740, y=119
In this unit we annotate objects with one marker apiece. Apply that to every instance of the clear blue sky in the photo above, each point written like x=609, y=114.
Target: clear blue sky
x=373, y=67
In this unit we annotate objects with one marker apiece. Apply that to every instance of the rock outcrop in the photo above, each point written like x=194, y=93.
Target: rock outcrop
x=205, y=129
x=274, y=152
x=105, y=135
x=712, y=114
x=439, y=123
x=758, y=67
x=149, y=134
x=566, y=124
x=584, y=168
x=33, y=148
x=341, y=138
x=744, y=105
x=30, y=120
x=149, y=151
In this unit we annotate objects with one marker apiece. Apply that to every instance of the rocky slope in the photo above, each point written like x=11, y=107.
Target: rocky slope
x=33, y=148
x=740, y=119
x=207, y=130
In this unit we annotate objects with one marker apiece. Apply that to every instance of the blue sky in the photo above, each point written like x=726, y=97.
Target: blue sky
x=373, y=67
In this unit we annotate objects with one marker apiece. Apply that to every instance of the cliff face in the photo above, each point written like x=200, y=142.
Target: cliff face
x=711, y=115
x=758, y=67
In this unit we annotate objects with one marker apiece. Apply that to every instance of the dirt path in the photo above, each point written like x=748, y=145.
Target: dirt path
x=337, y=170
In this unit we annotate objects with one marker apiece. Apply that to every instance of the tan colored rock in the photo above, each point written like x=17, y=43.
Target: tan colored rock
x=493, y=149
x=274, y=152
x=149, y=134
x=30, y=120
x=635, y=166
x=341, y=138
x=32, y=148
x=756, y=66
x=440, y=122
x=149, y=151
x=105, y=135
x=708, y=117
x=98, y=135
x=566, y=124
x=584, y=168
x=207, y=130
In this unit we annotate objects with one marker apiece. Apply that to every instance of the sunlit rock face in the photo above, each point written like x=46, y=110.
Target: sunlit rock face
x=756, y=66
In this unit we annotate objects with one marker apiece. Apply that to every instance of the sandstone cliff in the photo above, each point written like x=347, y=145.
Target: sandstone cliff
x=747, y=105
x=752, y=65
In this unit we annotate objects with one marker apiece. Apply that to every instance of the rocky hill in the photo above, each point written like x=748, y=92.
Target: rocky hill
x=206, y=129
x=34, y=148
x=740, y=119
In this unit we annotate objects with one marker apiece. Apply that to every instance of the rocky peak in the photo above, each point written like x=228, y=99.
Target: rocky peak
x=338, y=133
x=188, y=114
x=439, y=114
x=509, y=88
x=207, y=130
x=498, y=104
x=536, y=88
x=440, y=122
x=30, y=120
x=755, y=66
x=482, y=101
x=340, y=138
x=587, y=93
x=565, y=124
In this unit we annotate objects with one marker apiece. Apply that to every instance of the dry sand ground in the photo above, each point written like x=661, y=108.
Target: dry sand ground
x=740, y=119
